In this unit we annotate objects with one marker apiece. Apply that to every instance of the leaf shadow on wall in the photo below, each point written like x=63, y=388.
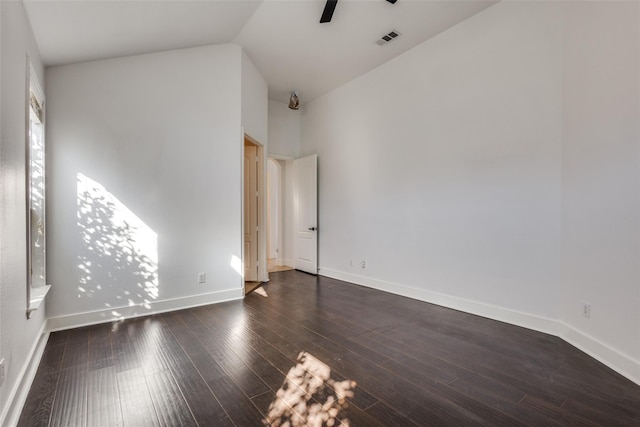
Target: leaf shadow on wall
x=119, y=258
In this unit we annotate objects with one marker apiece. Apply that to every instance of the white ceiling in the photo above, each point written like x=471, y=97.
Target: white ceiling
x=284, y=38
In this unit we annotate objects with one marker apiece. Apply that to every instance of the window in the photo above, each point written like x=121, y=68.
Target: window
x=35, y=197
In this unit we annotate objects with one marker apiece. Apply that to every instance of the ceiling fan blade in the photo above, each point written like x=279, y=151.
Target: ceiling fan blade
x=327, y=13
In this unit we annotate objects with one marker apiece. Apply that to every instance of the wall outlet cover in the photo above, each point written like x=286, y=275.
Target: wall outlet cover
x=586, y=310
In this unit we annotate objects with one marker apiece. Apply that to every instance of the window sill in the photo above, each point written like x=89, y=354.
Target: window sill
x=36, y=298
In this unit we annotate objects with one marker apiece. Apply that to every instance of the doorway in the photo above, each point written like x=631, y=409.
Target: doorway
x=274, y=216
x=253, y=212
x=279, y=213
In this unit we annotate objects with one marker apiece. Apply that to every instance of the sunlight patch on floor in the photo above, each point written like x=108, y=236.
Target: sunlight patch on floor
x=310, y=397
x=274, y=267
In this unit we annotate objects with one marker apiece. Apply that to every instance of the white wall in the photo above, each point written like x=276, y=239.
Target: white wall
x=18, y=336
x=284, y=130
x=494, y=169
x=441, y=168
x=601, y=172
x=284, y=145
x=159, y=138
x=254, y=102
x=255, y=124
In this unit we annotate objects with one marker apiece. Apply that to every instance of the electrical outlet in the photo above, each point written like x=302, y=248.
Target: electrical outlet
x=202, y=278
x=2, y=372
x=363, y=264
x=586, y=310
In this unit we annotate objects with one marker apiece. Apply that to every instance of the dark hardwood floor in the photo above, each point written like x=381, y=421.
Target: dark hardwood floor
x=315, y=351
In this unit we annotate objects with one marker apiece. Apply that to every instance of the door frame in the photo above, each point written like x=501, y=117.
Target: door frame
x=263, y=275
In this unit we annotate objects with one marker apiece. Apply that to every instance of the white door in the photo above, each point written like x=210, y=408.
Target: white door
x=305, y=199
x=250, y=213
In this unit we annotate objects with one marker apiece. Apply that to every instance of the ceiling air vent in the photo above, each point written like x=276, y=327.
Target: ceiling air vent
x=388, y=37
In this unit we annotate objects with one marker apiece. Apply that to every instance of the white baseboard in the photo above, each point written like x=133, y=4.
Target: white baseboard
x=619, y=362
x=287, y=262
x=513, y=317
x=127, y=312
x=18, y=395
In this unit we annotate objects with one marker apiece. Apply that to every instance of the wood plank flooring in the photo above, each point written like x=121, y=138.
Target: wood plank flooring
x=315, y=351
x=273, y=267
x=250, y=287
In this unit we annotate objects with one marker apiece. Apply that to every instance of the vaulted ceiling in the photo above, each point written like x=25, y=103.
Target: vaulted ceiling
x=284, y=38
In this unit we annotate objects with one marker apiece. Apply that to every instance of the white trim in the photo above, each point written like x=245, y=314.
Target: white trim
x=20, y=390
x=242, y=275
x=513, y=317
x=127, y=312
x=35, y=86
x=263, y=273
x=36, y=297
x=614, y=359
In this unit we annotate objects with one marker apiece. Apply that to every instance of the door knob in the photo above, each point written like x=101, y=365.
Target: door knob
x=313, y=228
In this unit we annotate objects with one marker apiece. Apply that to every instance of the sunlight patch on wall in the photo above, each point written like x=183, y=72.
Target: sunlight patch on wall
x=236, y=264
x=120, y=252
x=310, y=397
x=37, y=200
